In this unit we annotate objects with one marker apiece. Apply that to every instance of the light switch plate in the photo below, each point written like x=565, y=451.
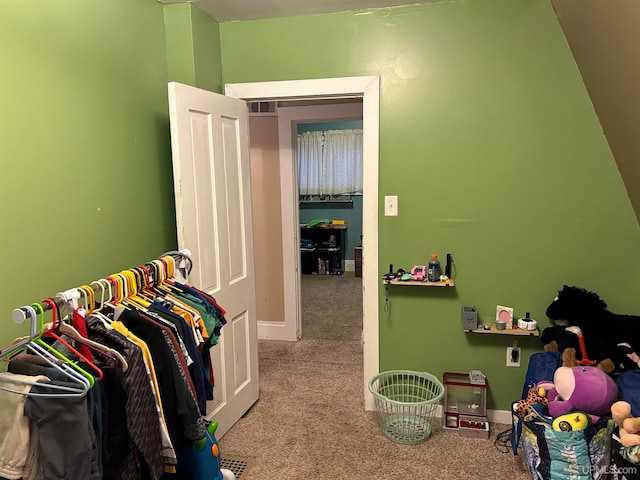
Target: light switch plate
x=391, y=206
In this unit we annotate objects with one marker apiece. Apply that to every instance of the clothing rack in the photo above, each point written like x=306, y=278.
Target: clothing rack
x=128, y=323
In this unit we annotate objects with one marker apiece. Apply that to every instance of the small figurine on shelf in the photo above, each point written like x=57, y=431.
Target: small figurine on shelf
x=418, y=273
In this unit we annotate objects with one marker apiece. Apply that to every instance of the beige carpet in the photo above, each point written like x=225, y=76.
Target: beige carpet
x=310, y=421
x=331, y=307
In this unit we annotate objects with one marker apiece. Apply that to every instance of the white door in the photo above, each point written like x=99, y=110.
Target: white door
x=209, y=140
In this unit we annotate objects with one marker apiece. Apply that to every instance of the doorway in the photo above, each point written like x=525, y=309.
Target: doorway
x=369, y=89
x=330, y=290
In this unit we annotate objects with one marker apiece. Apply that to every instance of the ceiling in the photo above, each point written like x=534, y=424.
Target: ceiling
x=229, y=10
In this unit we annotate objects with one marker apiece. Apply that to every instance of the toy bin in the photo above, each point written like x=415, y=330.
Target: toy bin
x=562, y=455
x=406, y=404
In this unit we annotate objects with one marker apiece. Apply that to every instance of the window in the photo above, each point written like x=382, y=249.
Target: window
x=330, y=162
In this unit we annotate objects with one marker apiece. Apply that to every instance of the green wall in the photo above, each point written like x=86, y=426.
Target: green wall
x=86, y=184
x=489, y=139
x=193, y=47
x=86, y=181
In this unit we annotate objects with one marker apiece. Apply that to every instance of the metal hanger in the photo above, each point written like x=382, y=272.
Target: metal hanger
x=183, y=262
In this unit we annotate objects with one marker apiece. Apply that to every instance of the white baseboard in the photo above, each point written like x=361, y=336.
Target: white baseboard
x=494, y=416
x=499, y=416
x=349, y=265
x=274, y=331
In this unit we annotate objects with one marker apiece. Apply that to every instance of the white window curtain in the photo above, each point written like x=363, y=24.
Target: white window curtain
x=330, y=162
x=310, y=162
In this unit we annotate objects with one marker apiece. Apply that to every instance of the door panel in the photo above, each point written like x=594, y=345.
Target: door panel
x=241, y=348
x=200, y=220
x=209, y=139
x=235, y=203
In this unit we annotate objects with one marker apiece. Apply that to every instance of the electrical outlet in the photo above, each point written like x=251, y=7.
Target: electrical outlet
x=513, y=356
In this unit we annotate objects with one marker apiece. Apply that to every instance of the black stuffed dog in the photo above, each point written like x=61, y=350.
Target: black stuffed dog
x=610, y=339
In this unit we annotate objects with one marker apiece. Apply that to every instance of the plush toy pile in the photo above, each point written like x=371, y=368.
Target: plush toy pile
x=567, y=421
x=608, y=340
x=563, y=425
x=583, y=389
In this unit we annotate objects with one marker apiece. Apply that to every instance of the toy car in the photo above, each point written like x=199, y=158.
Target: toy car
x=418, y=272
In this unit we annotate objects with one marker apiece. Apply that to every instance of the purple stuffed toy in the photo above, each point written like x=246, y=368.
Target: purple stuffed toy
x=584, y=388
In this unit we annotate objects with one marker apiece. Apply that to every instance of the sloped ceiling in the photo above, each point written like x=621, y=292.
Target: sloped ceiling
x=230, y=10
x=604, y=38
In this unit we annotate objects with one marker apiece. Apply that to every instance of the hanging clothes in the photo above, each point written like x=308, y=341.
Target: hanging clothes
x=183, y=417
x=115, y=388
x=196, y=368
x=18, y=442
x=144, y=435
x=65, y=435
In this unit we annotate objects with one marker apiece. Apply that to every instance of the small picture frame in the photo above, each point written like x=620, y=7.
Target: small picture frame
x=505, y=314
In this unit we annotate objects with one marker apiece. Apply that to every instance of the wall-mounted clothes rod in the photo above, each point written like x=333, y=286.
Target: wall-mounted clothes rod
x=148, y=274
